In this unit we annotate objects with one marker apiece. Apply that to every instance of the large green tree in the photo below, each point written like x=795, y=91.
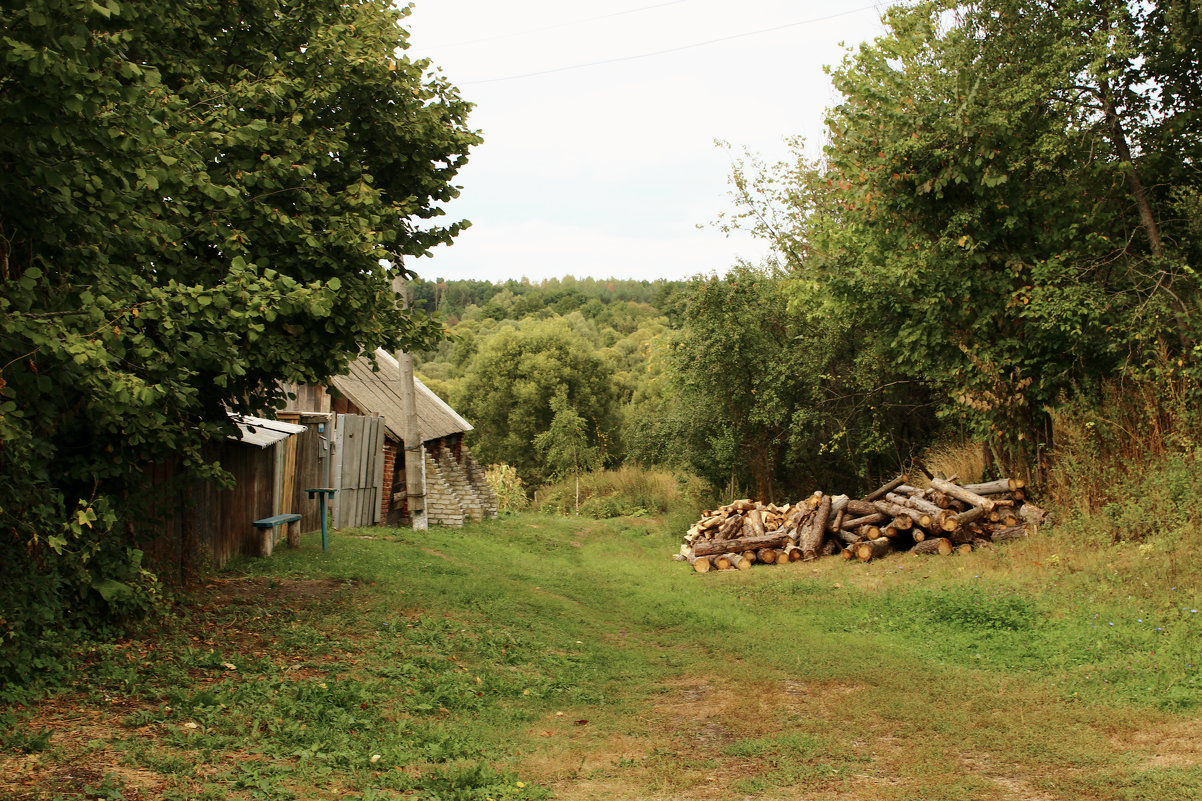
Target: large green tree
x=996, y=200
x=195, y=199
x=509, y=386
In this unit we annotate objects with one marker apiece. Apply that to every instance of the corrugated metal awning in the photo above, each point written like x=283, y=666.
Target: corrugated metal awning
x=262, y=432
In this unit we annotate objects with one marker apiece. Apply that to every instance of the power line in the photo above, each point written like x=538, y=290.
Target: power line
x=558, y=25
x=670, y=49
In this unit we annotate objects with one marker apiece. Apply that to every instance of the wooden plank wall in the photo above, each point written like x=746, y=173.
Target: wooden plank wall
x=359, y=467
x=196, y=522
x=309, y=459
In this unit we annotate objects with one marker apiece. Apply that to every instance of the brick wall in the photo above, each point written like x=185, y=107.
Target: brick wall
x=390, y=456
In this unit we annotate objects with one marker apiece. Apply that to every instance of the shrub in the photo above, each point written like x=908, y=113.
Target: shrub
x=505, y=482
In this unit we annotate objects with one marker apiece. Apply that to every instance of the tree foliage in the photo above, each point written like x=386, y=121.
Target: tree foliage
x=195, y=200
x=508, y=388
x=996, y=200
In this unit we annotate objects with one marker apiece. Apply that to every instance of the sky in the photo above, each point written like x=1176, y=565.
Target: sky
x=600, y=120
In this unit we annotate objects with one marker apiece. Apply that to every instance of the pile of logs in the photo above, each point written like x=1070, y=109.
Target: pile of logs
x=944, y=518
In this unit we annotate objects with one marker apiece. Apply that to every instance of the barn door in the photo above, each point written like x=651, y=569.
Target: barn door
x=358, y=470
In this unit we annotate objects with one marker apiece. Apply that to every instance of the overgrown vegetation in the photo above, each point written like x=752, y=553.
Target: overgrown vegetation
x=195, y=200
x=543, y=656
x=998, y=247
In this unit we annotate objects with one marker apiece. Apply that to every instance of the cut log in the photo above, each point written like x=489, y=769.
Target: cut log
x=962, y=536
x=700, y=563
x=773, y=540
x=812, y=537
x=839, y=504
x=880, y=491
x=836, y=521
x=1030, y=513
x=869, y=532
x=873, y=549
x=900, y=515
x=971, y=516
x=946, y=521
x=831, y=547
x=1010, y=533
x=939, y=499
x=755, y=520
x=740, y=561
x=729, y=526
x=992, y=487
x=766, y=555
x=918, y=534
x=938, y=545
x=860, y=508
x=964, y=549
x=959, y=493
x=720, y=561
x=846, y=537
x=921, y=504
x=866, y=520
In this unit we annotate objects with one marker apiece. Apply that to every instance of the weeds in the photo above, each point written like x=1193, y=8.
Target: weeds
x=628, y=491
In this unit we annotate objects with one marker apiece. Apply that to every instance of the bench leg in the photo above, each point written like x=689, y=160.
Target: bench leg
x=294, y=534
x=266, y=541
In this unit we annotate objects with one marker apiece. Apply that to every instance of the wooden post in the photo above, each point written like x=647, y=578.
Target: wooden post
x=415, y=468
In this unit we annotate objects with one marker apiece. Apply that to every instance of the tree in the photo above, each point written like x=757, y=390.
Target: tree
x=565, y=444
x=195, y=202
x=508, y=387
x=991, y=202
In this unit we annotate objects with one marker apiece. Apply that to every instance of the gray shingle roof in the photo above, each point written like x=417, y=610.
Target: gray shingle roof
x=379, y=393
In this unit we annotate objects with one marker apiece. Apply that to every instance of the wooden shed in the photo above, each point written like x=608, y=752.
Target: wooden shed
x=455, y=487
x=196, y=521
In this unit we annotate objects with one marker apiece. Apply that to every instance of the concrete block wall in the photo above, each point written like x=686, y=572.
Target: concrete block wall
x=455, y=476
x=475, y=476
x=443, y=506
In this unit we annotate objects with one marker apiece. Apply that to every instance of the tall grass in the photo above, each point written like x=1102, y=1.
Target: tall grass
x=628, y=491
x=961, y=458
x=508, y=486
x=1129, y=465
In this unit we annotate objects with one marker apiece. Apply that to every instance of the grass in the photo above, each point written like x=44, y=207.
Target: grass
x=546, y=657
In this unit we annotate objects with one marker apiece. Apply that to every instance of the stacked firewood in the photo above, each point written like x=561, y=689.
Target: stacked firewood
x=944, y=518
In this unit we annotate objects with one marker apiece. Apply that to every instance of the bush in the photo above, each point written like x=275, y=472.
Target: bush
x=505, y=482
x=1129, y=464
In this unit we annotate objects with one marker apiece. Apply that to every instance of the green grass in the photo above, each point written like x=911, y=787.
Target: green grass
x=536, y=657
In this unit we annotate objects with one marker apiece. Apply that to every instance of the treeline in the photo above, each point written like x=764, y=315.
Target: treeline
x=715, y=376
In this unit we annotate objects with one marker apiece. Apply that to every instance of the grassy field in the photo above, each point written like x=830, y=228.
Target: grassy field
x=544, y=657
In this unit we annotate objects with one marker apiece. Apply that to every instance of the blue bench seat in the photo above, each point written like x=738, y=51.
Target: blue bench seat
x=268, y=526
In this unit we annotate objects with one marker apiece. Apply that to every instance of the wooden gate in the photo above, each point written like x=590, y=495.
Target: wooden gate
x=358, y=470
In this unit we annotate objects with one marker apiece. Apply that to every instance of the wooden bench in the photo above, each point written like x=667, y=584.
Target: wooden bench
x=268, y=534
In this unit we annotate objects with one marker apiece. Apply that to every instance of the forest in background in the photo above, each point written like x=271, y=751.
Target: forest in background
x=697, y=377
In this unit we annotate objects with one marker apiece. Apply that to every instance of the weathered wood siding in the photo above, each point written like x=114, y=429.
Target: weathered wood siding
x=193, y=521
x=358, y=470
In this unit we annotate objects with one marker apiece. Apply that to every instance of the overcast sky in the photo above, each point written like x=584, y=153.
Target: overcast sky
x=599, y=121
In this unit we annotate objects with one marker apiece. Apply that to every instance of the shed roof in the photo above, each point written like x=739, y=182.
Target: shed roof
x=380, y=393
x=262, y=432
